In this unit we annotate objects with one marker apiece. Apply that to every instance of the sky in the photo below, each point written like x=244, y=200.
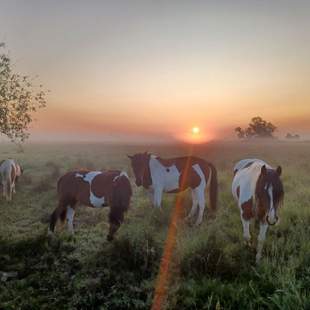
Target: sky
x=136, y=70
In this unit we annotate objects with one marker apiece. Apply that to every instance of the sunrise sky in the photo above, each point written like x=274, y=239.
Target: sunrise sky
x=155, y=69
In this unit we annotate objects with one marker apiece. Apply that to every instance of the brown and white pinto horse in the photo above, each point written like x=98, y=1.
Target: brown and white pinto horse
x=174, y=175
x=10, y=171
x=258, y=189
x=95, y=189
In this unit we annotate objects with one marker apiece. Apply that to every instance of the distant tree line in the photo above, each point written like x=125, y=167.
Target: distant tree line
x=257, y=128
x=292, y=136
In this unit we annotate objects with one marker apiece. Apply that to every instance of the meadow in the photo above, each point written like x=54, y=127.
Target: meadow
x=211, y=266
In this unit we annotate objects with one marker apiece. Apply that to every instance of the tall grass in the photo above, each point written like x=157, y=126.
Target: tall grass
x=211, y=267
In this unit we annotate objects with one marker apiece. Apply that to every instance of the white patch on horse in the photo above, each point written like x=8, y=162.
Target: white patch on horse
x=165, y=178
x=88, y=177
x=271, y=212
x=203, y=181
x=246, y=179
x=97, y=202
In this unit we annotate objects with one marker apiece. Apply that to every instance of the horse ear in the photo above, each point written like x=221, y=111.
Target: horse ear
x=264, y=170
x=279, y=170
x=130, y=157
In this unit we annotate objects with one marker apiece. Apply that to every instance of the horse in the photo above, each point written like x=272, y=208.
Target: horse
x=95, y=189
x=175, y=175
x=258, y=190
x=10, y=171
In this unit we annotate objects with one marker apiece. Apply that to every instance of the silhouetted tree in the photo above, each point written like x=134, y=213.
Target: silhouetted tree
x=240, y=132
x=258, y=128
x=19, y=99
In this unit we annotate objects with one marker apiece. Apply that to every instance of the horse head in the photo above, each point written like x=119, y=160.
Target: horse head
x=269, y=194
x=139, y=164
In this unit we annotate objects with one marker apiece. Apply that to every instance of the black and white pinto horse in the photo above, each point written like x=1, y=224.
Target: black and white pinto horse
x=96, y=189
x=259, y=192
x=174, y=175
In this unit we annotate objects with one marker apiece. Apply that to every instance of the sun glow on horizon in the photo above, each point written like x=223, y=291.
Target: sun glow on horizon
x=195, y=130
x=196, y=135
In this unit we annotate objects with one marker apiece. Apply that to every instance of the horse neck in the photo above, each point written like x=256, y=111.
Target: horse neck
x=147, y=180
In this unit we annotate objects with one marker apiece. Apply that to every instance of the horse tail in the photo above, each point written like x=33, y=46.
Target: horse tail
x=124, y=190
x=122, y=193
x=213, y=187
x=59, y=184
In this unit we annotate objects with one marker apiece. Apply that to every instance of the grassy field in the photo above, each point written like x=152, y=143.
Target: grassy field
x=211, y=269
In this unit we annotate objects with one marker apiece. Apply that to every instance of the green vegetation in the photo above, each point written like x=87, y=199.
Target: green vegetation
x=20, y=97
x=212, y=268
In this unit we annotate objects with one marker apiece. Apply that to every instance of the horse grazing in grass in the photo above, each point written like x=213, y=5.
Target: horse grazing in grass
x=95, y=189
x=258, y=189
x=174, y=175
x=10, y=171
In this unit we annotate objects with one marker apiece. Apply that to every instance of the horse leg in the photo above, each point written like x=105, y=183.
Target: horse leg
x=263, y=227
x=58, y=212
x=158, y=193
x=194, y=205
x=13, y=186
x=70, y=218
x=246, y=230
x=200, y=191
x=4, y=190
x=9, y=190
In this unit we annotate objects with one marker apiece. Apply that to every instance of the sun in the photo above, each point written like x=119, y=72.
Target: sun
x=195, y=130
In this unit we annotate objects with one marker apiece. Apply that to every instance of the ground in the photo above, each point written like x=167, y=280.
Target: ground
x=211, y=267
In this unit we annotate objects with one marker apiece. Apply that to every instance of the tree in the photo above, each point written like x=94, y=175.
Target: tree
x=258, y=128
x=19, y=99
x=240, y=132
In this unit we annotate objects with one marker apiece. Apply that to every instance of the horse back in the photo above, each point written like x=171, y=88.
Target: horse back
x=72, y=186
x=191, y=169
x=245, y=180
